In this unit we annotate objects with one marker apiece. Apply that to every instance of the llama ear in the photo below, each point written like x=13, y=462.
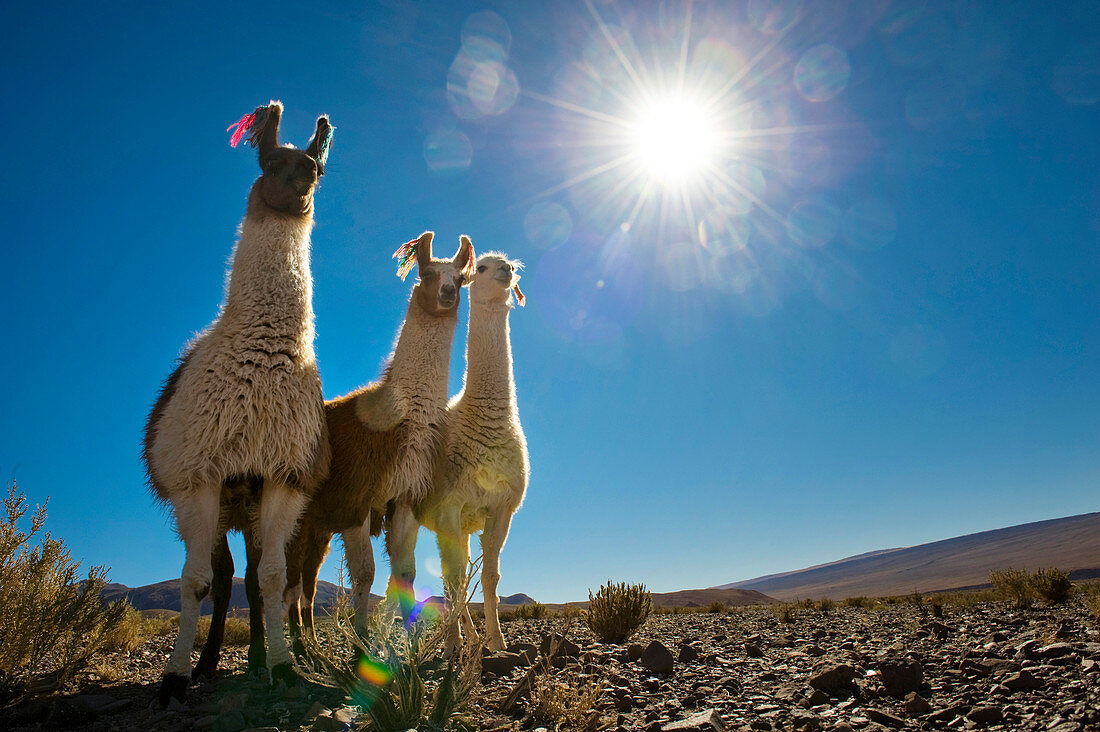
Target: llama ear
x=424, y=250
x=465, y=259
x=319, y=145
x=266, y=138
x=412, y=251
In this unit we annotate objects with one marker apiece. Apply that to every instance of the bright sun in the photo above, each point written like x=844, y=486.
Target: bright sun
x=674, y=138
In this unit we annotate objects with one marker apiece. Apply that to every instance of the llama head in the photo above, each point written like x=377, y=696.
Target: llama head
x=440, y=280
x=290, y=176
x=496, y=279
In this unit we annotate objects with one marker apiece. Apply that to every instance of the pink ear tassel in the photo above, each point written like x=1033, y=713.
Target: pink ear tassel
x=519, y=296
x=243, y=125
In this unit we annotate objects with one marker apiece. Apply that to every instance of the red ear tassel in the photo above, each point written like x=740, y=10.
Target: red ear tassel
x=406, y=257
x=243, y=125
x=519, y=296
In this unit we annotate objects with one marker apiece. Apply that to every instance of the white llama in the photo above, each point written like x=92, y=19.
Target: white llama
x=237, y=438
x=482, y=471
x=384, y=437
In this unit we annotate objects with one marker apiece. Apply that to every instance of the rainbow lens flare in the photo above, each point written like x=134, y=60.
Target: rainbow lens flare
x=413, y=609
x=373, y=672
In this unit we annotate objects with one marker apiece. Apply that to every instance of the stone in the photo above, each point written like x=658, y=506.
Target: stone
x=814, y=651
x=707, y=719
x=884, y=718
x=900, y=676
x=565, y=647
x=916, y=705
x=985, y=715
x=529, y=651
x=1055, y=650
x=688, y=654
x=753, y=651
x=501, y=664
x=834, y=678
x=657, y=658
x=634, y=651
x=231, y=721
x=1022, y=679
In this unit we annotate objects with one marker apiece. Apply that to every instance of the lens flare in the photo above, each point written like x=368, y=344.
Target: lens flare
x=373, y=672
x=674, y=137
x=414, y=608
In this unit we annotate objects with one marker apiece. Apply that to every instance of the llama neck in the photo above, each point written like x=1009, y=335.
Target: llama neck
x=422, y=358
x=489, y=353
x=270, y=284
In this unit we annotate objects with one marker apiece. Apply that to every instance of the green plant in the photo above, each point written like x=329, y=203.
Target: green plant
x=1013, y=585
x=784, y=612
x=128, y=634
x=1052, y=585
x=567, y=699
x=51, y=624
x=825, y=605
x=394, y=670
x=530, y=611
x=859, y=601
x=616, y=612
x=714, y=607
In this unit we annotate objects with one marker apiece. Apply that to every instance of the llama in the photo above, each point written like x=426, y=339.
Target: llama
x=482, y=471
x=237, y=437
x=384, y=437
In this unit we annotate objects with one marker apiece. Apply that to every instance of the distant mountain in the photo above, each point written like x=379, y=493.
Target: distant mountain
x=517, y=599
x=166, y=595
x=1071, y=544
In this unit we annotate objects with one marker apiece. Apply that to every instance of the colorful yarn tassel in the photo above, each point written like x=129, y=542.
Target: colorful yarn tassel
x=406, y=257
x=519, y=296
x=252, y=124
x=323, y=146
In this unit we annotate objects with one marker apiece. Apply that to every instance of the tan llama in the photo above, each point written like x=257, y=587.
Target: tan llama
x=482, y=471
x=237, y=438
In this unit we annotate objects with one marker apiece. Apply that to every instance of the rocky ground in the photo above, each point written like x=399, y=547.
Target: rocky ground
x=896, y=667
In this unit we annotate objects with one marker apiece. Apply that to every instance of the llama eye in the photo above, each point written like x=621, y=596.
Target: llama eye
x=481, y=268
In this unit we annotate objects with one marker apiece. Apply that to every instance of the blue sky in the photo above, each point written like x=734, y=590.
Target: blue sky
x=869, y=319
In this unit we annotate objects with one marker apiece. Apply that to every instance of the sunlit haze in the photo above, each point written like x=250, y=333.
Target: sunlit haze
x=803, y=280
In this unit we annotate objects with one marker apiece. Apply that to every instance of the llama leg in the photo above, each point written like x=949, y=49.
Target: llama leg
x=293, y=596
x=257, y=656
x=454, y=556
x=360, y=556
x=197, y=522
x=280, y=509
x=222, y=589
x=314, y=558
x=401, y=546
x=492, y=540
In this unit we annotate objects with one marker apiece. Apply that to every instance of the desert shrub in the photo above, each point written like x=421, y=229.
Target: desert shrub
x=860, y=601
x=530, y=611
x=1012, y=585
x=784, y=612
x=615, y=612
x=1052, y=585
x=128, y=634
x=51, y=624
x=714, y=607
x=825, y=605
x=567, y=700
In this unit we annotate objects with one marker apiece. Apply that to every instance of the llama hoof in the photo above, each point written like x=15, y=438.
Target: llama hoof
x=172, y=686
x=204, y=669
x=283, y=673
x=257, y=661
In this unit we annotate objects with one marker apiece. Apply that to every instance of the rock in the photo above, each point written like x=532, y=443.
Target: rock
x=529, y=651
x=834, y=678
x=899, y=676
x=916, y=705
x=316, y=711
x=501, y=664
x=753, y=651
x=66, y=714
x=231, y=721
x=688, y=654
x=707, y=719
x=565, y=647
x=657, y=659
x=949, y=714
x=985, y=715
x=1054, y=650
x=940, y=630
x=233, y=702
x=814, y=651
x=884, y=718
x=1022, y=680
x=817, y=698
x=634, y=651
